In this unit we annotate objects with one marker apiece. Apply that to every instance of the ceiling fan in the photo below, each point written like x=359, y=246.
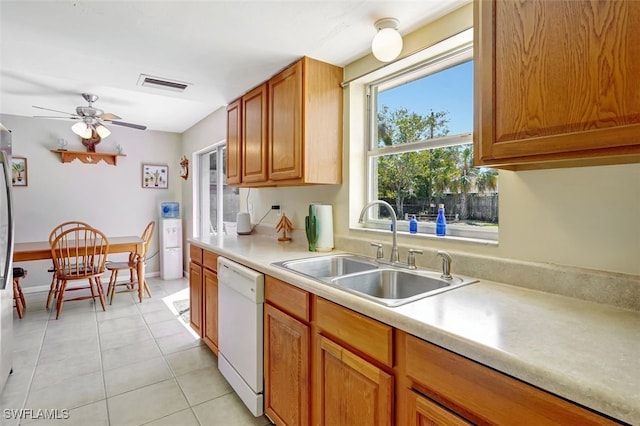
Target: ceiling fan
x=91, y=120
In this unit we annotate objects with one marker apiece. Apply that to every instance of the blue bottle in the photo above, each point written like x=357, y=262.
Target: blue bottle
x=441, y=222
x=413, y=225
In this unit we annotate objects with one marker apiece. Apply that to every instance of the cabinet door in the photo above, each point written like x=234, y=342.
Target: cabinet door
x=285, y=125
x=350, y=390
x=195, y=297
x=286, y=368
x=210, y=314
x=234, y=142
x=556, y=80
x=425, y=412
x=254, y=135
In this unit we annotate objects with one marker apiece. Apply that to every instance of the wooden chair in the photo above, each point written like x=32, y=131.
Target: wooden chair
x=80, y=254
x=55, y=284
x=132, y=266
x=18, y=297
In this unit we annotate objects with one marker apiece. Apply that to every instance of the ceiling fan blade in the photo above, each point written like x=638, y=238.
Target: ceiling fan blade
x=133, y=126
x=74, y=117
x=107, y=116
x=54, y=110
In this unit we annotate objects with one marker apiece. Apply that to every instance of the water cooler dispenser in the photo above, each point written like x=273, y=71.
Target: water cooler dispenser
x=170, y=241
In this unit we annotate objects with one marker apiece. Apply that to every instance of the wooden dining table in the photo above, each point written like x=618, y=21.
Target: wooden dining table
x=41, y=250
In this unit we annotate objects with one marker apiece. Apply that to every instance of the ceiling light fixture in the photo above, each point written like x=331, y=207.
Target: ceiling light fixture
x=387, y=43
x=102, y=131
x=85, y=129
x=82, y=129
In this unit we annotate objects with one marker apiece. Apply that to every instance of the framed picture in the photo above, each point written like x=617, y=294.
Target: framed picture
x=155, y=176
x=19, y=171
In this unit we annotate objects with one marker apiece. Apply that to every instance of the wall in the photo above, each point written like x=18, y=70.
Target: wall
x=107, y=197
x=207, y=132
x=584, y=217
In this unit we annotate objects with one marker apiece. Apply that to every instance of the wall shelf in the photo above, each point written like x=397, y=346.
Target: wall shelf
x=88, y=157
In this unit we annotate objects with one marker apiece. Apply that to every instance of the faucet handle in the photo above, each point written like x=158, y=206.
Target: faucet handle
x=379, y=253
x=446, y=264
x=411, y=258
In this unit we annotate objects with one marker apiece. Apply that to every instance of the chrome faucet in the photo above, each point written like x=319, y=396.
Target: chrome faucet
x=411, y=258
x=446, y=265
x=394, y=249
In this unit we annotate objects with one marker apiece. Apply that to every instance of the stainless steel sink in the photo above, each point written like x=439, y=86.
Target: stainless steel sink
x=388, y=285
x=394, y=287
x=328, y=267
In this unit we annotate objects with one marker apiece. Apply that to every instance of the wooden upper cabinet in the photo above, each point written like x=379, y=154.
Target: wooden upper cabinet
x=254, y=135
x=234, y=142
x=285, y=131
x=556, y=83
x=305, y=124
x=290, y=129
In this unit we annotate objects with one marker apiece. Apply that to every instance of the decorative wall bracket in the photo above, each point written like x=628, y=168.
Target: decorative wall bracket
x=88, y=157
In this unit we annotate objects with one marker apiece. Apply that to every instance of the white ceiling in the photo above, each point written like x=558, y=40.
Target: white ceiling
x=51, y=51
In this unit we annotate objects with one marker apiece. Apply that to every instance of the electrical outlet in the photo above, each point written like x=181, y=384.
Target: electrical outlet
x=277, y=208
x=250, y=208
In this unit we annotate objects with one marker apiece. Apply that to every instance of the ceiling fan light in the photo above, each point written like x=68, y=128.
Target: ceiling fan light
x=103, y=132
x=81, y=129
x=387, y=43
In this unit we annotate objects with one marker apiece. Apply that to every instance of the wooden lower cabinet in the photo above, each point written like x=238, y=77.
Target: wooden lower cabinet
x=286, y=368
x=327, y=365
x=425, y=412
x=350, y=390
x=203, y=295
x=478, y=393
x=210, y=310
x=352, y=366
x=195, y=297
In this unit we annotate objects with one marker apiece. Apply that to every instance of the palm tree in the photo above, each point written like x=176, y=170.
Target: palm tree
x=399, y=175
x=466, y=177
x=487, y=180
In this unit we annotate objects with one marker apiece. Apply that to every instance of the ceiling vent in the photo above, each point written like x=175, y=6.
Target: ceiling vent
x=162, y=83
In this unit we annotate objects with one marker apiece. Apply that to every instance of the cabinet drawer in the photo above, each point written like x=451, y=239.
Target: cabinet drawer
x=210, y=260
x=287, y=298
x=484, y=395
x=367, y=335
x=195, y=254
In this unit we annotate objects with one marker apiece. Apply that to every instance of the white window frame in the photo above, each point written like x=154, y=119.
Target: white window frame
x=450, y=52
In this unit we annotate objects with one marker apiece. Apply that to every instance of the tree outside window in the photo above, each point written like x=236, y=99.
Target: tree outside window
x=417, y=162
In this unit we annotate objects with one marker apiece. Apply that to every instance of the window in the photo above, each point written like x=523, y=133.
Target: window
x=218, y=203
x=420, y=149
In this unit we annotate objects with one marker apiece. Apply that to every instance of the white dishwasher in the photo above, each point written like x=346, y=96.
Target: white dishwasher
x=240, y=331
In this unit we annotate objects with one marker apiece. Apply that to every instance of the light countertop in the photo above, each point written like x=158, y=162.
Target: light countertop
x=586, y=352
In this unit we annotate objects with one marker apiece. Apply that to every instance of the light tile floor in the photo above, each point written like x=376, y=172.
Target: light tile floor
x=133, y=364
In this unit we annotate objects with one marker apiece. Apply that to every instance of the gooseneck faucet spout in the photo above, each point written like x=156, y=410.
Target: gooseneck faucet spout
x=394, y=249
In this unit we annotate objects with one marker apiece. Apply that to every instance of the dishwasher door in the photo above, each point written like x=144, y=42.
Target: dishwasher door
x=240, y=331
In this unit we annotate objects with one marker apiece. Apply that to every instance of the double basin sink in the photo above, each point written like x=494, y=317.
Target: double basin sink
x=384, y=284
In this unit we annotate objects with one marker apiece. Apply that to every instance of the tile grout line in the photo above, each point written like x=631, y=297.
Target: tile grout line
x=104, y=381
x=33, y=372
x=173, y=373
